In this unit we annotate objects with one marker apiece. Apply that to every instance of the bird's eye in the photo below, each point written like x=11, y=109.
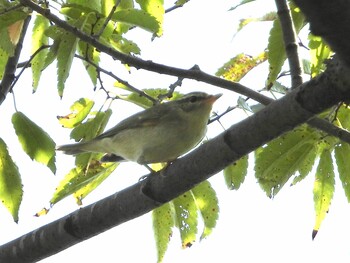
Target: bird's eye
x=193, y=99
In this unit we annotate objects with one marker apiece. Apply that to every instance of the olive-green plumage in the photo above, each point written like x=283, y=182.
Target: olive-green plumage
x=158, y=134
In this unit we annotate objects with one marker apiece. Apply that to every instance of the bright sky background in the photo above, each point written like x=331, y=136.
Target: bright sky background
x=250, y=228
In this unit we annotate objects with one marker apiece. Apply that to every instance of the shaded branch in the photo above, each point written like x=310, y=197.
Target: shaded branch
x=11, y=65
x=290, y=42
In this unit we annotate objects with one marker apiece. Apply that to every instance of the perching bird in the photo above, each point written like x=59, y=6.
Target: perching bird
x=158, y=134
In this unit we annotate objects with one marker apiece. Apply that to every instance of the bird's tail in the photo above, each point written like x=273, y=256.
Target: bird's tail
x=72, y=149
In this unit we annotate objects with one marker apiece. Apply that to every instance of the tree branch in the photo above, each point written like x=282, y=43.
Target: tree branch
x=277, y=118
x=11, y=65
x=193, y=73
x=291, y=45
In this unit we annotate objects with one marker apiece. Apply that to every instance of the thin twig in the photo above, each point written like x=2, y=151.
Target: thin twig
x=26, y=65
x=109, y=17
x=290, y=42
x=112, y=75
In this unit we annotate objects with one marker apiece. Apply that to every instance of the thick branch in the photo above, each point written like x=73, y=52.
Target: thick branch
x=330, y=20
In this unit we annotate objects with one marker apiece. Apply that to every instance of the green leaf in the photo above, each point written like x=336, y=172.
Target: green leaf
x=319, y=52
x=156, y=9
x=208, y=206
x=80, y=181
x=277, y=54
x=92, y=127
x=163, y=222
x=237, y=67
x=65, y=55
x=101, y=172
x=342, y=155
x=235, y=173
x=323, y=189
x=305, y=167
x=92, y=55
x=5, y=42
x=282, y=157
x=11, y=191
x=137, y=18
x=3, y=60
x=39, y=39
x=35, y=141
x=186, y=218
x=79, y=111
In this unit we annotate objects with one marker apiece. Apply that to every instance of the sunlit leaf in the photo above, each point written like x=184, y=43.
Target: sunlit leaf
x=235, y=173
x=10, y=182
x=186, y=218
x=282, y=157
x=236, y=68
x=79, y=111
x=92, y=127
x=34, y=140
x=207, y=203
x=323, y=189
x=137, y=18
x=277, y=54
x=102, y=172
x=156, y=9
x=82, y=180
x=163, y=222
x=65, y=55
x=342, y=157
x=319, y=51
x=39, y=39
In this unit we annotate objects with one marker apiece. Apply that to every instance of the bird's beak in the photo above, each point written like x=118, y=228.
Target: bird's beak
x=212, y=98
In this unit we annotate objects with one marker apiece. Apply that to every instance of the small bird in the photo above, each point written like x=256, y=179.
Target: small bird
x=158, y=134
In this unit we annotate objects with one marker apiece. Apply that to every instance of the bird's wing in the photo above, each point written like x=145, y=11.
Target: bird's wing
x=141, y=119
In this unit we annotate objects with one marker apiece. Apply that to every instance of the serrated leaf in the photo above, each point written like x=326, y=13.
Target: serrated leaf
x=163, y=222
x=137, y=18
x=92, y=127
x=343, y=117
x=102, y=172
x=277, y=54
x=35, y=141
x=235, y=173
x=11, y=191
x=79, y=111
x=92, y=55
x=156, y=9
x=237, y=67
x=282, y=157
x=186, y=218
x=65, y=55
x=309, y=157
x=80, y=181
x=342, y=155
x=208, y=206
x=323, y=188
x=319, y=52
x=39, y=39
